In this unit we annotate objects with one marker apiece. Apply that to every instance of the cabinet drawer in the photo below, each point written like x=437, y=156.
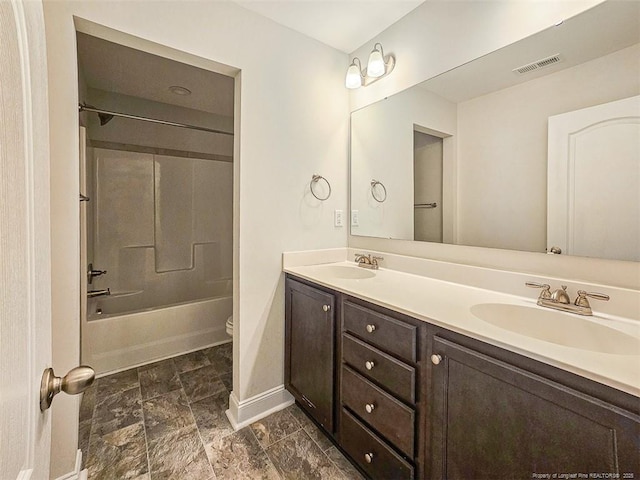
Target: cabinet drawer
x=392, y=374
x=389, y=417
x=385, y=332
x=358, y=441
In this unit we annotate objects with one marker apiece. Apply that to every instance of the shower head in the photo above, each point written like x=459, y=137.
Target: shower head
x=104, y=118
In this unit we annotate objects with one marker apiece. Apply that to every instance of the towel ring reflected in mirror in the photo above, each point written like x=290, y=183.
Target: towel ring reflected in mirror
x=314, y=181
x=377, y=197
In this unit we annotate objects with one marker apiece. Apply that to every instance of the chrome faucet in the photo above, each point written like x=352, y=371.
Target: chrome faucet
x=367, y=261
x=98, y=293
x=559, y=299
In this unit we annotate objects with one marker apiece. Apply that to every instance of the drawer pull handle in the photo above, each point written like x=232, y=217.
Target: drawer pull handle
x=368, y=457
x=326, y=308
x=371, y=328
x=369, y=365
x=436, y=359
x=369, y=407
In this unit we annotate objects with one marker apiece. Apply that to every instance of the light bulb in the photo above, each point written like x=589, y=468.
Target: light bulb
x=375, y=67
x=354, y=76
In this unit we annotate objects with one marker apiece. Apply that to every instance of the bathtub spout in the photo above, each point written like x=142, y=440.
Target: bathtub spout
x=98, y=293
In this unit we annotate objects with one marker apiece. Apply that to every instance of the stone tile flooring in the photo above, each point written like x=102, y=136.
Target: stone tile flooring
x=166, y=420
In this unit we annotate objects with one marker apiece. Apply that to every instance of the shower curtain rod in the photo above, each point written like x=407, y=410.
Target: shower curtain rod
x=85, y=108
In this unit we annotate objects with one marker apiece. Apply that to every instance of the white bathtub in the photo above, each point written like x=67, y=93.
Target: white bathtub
x=116, y=341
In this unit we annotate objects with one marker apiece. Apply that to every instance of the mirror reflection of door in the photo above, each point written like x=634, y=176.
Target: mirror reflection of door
x=594, y=181
x=427, y=169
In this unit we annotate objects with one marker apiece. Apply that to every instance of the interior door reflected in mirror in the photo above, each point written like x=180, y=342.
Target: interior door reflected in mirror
x=473, y=156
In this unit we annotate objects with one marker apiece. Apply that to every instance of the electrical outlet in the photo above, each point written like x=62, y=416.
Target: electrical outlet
x=355, y=220
x=337, y=218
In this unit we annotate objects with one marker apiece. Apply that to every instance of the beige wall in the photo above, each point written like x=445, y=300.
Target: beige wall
x=290, y=125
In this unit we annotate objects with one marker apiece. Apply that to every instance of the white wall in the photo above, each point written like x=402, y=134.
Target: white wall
x=382, y=149
x=439, y=36
x=502, y=148
x=291, y=125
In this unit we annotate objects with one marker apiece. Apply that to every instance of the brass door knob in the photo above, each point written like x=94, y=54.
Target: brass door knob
x=73, y=383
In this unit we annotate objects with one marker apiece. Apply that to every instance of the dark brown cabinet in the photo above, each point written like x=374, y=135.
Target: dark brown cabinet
x=380, y=398
x=405, y=399
x=494, y=420
x=310, y=349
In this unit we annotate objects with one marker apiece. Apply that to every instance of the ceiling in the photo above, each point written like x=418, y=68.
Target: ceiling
x=115, y=68
x=342, y=24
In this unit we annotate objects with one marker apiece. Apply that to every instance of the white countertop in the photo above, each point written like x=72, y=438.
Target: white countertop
x=448, y=305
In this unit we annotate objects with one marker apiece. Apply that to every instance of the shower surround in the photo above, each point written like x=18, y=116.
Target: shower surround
x=161, y=227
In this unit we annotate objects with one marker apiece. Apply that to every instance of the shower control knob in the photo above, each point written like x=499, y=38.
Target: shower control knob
x=436, y=359
x=326, y=308
x=369, y=365
x=91, y=273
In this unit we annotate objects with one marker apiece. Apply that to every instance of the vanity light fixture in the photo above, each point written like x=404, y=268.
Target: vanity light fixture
x=378, y=66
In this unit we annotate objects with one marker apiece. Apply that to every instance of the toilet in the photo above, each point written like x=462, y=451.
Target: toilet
x=229, y=325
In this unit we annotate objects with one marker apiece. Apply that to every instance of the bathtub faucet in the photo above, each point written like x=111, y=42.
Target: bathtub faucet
x=98, y=293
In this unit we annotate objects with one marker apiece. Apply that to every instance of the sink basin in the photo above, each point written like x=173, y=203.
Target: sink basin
x=348, y=272
x=557, y=327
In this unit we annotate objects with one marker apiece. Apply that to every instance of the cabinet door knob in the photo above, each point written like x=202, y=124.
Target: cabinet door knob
x=436, y=359
x=369, y=365
x=326, y=308
x=371, y=328
x=369, y=407
x=368, y=457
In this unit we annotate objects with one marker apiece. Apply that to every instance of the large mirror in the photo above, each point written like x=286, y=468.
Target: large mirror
x=534, y=147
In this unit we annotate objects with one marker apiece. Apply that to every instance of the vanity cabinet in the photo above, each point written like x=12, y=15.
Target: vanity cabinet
x=405, y=399
x=310, y=325
x=495, y=419
x=381, y=405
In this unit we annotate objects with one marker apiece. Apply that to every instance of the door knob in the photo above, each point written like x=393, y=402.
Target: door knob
x=73, y=383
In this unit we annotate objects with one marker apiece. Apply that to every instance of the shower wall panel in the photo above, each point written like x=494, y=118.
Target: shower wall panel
x=163, y=226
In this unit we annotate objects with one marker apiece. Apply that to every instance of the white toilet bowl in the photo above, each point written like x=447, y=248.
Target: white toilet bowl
x=229, y=326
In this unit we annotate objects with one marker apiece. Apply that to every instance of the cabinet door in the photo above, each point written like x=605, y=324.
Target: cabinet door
x=492, y=420
x=310, y=349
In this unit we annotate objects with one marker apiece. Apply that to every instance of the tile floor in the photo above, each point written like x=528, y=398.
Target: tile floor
x=166, y=420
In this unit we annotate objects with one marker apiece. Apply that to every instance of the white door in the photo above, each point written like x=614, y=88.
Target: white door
x=25, y=283
x=594, y=181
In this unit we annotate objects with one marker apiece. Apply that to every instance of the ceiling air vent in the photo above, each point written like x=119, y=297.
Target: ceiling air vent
x=544, y=62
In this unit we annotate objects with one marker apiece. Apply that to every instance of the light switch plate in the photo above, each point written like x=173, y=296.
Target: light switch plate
x=337, y=218
x=355, y=220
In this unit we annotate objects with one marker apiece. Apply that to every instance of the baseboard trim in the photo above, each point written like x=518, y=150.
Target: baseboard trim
x=245, y=412
x=77, y=474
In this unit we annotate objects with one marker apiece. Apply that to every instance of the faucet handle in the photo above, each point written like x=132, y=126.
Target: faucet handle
x=546, y=289
x=582, y=301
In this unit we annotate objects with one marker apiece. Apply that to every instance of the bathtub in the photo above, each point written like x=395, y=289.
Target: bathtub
x=113, y=340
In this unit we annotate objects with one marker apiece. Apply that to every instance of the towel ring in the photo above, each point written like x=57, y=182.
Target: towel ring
x=373, y=191
x=315, y=179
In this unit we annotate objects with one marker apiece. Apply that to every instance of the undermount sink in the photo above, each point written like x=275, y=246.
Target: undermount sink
x=347, y=272
x=557, y=327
